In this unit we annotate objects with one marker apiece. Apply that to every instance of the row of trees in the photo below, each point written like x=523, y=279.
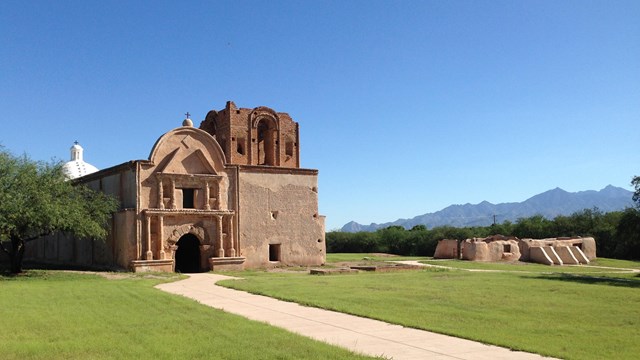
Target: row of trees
x=617, y=233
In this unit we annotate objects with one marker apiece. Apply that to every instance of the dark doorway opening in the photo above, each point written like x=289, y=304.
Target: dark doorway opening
x=188, y=254
x=274, y=252
x=188, y=199
x=266, y=143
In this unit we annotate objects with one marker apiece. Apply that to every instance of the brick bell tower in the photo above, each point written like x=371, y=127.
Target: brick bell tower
x=258, y=136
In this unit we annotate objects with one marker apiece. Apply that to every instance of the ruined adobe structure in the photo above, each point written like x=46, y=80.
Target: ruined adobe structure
x=553, y=251
x=228, y=195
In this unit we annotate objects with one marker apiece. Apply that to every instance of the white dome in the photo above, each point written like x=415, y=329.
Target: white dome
x=77, y=167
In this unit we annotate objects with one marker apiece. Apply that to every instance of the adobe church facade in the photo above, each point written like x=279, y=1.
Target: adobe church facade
x=227, y=195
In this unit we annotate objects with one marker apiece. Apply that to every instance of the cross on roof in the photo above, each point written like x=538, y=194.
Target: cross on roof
x=188, y=115
x=76, y=142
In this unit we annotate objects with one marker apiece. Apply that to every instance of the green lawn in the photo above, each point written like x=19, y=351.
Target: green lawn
x=594, y=267
x=573, y=316
x=340, y=257
x=61, y=315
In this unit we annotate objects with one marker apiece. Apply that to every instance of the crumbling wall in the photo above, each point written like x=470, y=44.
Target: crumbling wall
x=447, y=249
x=493, y=248
x=587, y=246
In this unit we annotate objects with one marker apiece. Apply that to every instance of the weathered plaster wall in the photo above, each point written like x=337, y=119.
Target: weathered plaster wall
x=278, y=208
x=116, y=251
x=497, y=250
x=586, y=244
x=446, y=249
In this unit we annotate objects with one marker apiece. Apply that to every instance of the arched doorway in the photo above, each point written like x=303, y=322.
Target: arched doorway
x=266, y=142
x=187, y=256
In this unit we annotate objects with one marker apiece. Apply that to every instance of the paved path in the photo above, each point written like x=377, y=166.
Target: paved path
x=362, y=335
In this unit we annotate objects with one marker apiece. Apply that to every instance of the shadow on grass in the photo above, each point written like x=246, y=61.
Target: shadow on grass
x=592, y=280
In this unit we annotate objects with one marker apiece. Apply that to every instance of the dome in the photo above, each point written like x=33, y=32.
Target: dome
x=76, y=167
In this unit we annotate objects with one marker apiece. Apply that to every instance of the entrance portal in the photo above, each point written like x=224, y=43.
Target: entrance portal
x=188, y=254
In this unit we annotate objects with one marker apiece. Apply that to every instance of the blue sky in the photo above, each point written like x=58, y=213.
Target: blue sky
x=405, y=107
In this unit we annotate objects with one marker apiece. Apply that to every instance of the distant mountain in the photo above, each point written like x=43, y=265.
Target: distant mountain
x=548, y=204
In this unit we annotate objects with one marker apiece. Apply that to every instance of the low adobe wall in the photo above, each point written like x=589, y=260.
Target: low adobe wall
x=446, y=249
x=497, y=250
x=587, y=246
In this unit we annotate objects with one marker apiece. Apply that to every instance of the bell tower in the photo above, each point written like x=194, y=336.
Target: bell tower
x=258, y=136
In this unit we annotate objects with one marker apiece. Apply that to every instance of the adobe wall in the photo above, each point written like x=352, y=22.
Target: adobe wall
x=280, y=209
x=586, y=244
x=118, y=248
x=446, y=249
x=116, y=251
x=497, y=250
x=118, y=181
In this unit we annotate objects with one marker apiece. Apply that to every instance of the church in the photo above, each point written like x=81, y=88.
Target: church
x=229, y=194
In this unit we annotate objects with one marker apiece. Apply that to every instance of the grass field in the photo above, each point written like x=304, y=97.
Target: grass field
x=340, y=257
x=596, y=267
x=62, y=315
x=568, y=315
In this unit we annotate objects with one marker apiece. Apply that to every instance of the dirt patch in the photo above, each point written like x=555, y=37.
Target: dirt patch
x=384, y=255
x=126, y=275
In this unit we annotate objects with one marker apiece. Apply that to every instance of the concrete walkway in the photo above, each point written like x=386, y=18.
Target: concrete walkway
x=362, y=335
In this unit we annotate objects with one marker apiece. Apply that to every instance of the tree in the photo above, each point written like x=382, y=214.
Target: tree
x=636, y=195
x=628, y=234
x=36, y=200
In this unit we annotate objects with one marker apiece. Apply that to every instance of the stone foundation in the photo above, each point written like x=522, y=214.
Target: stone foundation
x=226, y=263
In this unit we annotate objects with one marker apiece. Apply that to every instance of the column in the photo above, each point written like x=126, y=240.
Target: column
x=173, y=194
x=149, y=255
x=160, y=195
x=161, y=237
x=218, y=195
x=232, y=250
x=220, y=251
x=206, y=196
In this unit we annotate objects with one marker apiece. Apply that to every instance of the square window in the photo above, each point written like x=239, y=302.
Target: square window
x=188, y=198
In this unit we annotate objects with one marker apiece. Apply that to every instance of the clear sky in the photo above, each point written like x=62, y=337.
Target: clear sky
x=405, y=107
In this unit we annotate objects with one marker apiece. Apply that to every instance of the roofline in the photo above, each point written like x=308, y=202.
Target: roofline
x=132, y=164
x=275, y=169
x=109, y=171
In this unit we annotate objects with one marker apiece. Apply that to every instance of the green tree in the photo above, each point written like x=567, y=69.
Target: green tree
x=537, y=227
x=628, y=234
x=36, y=200
x=636, y=195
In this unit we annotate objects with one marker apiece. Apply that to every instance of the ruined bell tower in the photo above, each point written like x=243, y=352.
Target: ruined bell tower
x=258, y=136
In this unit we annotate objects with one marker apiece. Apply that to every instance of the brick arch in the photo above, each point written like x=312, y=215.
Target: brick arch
x=264, y=113
x=177, y=233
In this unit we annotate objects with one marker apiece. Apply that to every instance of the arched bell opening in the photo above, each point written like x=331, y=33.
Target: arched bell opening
x=266, y=142
x=187, y=257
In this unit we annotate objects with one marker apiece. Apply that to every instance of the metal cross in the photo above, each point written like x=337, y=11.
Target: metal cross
x=76, y=142
x=188, y=115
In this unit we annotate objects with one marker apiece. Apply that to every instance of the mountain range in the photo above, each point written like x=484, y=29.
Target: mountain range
x=548, y=204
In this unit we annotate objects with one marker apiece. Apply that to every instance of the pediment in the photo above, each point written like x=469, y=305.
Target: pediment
x=187, y=151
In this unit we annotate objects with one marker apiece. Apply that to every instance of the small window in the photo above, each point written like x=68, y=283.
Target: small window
x=240, y=146
x=274, y=252
x=188, y=199
x=289, y=148
x=507, y=248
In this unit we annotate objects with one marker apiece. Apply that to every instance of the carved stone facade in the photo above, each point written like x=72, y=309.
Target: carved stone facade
x=229, y=195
